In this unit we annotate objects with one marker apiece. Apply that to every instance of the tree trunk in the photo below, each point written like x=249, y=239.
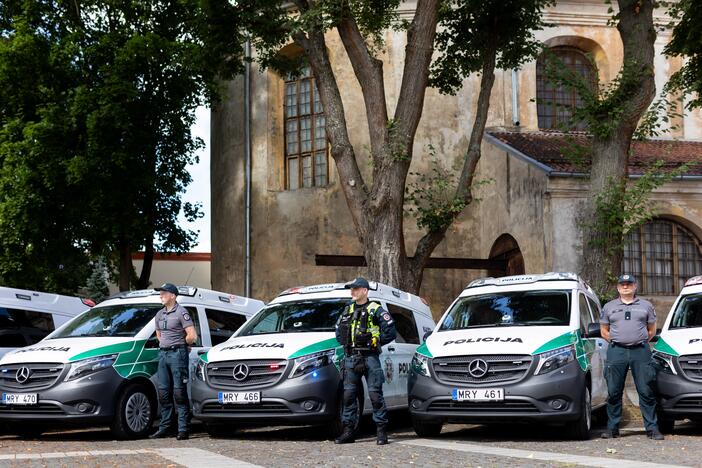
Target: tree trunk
x=144, y=277
x=125, y=264
x=602, y=244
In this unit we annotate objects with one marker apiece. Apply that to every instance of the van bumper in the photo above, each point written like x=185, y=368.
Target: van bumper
x=59, y=404
x=299, y=401
x=529, y=400
x=679, y=397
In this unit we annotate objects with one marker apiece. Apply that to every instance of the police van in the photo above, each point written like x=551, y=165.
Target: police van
x=99, y=368
x=26, y=317
x=513, y=349
x=283, y=366
x=678, y=357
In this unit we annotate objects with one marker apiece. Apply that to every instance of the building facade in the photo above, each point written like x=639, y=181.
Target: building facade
x=526, y=217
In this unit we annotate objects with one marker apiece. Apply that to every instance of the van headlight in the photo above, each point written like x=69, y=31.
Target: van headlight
x=200, y=368
x=311, y=362
x=420, y=364
x=554, y=359
x=89, y=366
x=665, y=361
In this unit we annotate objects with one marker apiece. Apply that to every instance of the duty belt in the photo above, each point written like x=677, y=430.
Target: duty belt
x=172, y=348
x=619, y=345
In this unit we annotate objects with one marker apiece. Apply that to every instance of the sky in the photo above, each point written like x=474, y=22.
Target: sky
x=199, y=188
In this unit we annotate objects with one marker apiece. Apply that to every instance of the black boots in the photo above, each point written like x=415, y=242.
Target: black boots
x=346, y=437
x=382, y=437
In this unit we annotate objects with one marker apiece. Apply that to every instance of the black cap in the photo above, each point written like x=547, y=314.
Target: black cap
x=358, y=283
x=626, y=279
x=171, y=288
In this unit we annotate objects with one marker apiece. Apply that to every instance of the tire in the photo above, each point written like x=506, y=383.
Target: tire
x=26, y=431
x=426, y=429
x=335, y=427
x=580, y=428
x=134, y=413
x=220, y=430
x=666, y=425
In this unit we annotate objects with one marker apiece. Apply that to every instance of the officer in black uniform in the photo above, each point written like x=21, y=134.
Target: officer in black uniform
x=175, y=331
x=362, y=329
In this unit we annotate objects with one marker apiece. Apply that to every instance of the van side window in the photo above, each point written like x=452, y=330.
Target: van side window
x=585, y=317
x=28, y=326
x=404, y=324
x=222, y=324
x=595, y=308
x=196, y=321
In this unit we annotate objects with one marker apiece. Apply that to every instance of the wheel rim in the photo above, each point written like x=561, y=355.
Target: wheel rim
x=138, y=412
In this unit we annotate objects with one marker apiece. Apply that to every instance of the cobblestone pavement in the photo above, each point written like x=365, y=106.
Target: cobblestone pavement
x=458, y=445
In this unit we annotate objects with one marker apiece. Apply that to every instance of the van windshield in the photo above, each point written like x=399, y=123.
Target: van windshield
x=688, y=313
x=516, y=308
x=117, y=320
x=317, y=315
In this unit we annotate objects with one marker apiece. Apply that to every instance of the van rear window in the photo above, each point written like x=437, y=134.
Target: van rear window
x=517, y=308
x=117, y=320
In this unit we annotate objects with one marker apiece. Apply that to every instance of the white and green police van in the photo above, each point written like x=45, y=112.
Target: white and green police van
x=678, y=355
x=26, y=317
x=513, y=349
x=283, y=366
x=99, y=368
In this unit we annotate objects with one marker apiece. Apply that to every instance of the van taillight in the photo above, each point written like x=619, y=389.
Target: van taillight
x=88, y=302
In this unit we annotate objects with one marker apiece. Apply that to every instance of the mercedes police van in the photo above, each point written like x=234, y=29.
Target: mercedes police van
x=678, y=355
x=99, y=368
x=283, y=366
x=26, y=317
x=512, y=349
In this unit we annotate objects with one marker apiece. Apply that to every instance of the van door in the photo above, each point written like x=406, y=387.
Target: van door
x=398, y=356
x=599, y=384
x=203, y=337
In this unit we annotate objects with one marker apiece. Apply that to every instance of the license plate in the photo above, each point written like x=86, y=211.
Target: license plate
x=239, y=398
x=19, y=398
x=478, y=394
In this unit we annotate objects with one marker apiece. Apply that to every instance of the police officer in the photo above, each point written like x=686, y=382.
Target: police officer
x=362, y=329
x=175, y=330
x=628, y=323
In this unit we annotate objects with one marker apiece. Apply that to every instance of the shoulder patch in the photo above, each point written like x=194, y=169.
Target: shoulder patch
x=387, y=317
x=186, y=317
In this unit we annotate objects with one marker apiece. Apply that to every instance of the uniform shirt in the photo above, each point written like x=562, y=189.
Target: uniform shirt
x=382, y=318
x=632, y=331
x=172, y=325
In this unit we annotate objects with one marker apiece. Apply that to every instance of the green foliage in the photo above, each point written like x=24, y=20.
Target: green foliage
x=96, y=106
x=432, y=196
x=687, y=42
x=97, y=287
x=471, y=28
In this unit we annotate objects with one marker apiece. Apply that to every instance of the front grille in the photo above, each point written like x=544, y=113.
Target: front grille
x=41, y=376
x=260, y=372
x=41, y=408
x=271, y=408
x=483, y=406
x=691, y=365
x=500, y=368
x=689, y=403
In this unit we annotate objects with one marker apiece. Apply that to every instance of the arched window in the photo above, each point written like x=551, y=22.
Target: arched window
x=306, y=155
x=663, y=255
x=554, y=102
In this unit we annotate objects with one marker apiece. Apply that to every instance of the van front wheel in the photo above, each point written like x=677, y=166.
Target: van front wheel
x=580, y=429
x=134, y=413
x=426, y=429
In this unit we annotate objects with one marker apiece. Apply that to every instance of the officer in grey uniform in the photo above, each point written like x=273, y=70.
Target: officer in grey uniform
x=175, y=331
x=629, y=323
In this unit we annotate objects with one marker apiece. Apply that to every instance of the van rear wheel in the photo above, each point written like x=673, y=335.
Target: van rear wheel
x=134, y=413
x=425, y=428
x=580, y=429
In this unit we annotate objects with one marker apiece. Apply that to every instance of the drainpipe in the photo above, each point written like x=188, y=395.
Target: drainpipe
x=515, y=98
x=247, y=168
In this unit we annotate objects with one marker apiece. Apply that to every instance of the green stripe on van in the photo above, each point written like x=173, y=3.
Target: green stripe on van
x=111, y=349
x=558, y=342
x=313, y=348
x=664, y=347
x=423, y=349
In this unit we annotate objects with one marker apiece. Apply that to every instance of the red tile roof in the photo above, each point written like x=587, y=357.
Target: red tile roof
x=548, y=148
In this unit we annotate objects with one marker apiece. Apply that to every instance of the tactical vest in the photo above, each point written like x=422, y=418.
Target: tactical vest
x=357, y=326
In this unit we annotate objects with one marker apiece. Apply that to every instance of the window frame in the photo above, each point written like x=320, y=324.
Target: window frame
x=403, y=312
x=226, y=314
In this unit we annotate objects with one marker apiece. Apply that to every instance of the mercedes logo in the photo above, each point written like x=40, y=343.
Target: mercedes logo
x=241, y=371
x=477, y=368
x=22, y=374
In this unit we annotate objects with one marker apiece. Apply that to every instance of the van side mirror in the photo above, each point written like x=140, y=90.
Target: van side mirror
x=593, y=331
x=200, y=352
x=426, y=335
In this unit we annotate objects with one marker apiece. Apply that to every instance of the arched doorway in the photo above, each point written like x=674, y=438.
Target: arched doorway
x=506, y=248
